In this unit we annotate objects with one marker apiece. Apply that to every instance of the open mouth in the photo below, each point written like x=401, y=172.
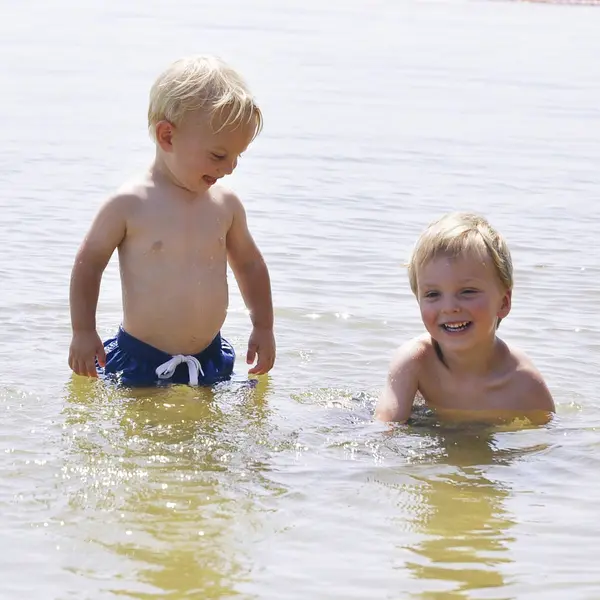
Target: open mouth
x=209, y=180
x=455, y=327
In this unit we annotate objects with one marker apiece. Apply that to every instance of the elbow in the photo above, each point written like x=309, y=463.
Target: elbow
x=388, y=414
x=85, y=269
x=383, y=416
x=90, y=264
x=86, y=273
x=251, y=272
x=254, y=266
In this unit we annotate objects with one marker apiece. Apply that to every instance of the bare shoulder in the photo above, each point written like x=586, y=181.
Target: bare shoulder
x=411, y=355
x=226, y=197
x=128, y=198
x=528, y=382
x=109, y=227
x=228, y=203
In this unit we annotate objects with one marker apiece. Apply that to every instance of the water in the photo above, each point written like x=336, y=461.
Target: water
x=380, y=116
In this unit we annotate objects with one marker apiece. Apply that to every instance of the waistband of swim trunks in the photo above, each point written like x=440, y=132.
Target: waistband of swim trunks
x=148, y=353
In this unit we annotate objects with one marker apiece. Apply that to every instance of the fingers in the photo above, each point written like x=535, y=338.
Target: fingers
x=251, y=354
x=264, y=365
x=86, y=353
x=90, y=367
x=261, y=347
x=101, y=355
x=76, y=367
x=256, y=370
x=84, y=367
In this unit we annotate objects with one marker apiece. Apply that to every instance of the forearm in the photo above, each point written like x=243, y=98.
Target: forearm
x=396, y=400
x=84, y=292
x=388, y=412
x=255, y=286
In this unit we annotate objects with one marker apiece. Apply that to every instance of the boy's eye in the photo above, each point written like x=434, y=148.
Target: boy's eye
x=469, y=291
x=431, y=294
x=217, y=156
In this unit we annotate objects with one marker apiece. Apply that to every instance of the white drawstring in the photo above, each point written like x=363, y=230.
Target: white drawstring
x=166, y=370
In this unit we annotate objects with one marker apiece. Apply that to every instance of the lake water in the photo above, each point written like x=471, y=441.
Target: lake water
x=380, y=115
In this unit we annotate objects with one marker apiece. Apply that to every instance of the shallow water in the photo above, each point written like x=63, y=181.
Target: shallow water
x=380, y=116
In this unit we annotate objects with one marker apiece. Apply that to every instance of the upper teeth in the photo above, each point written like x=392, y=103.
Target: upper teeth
x=456, y=325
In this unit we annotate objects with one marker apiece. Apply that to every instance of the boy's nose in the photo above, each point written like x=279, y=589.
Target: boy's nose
x=229, y=167
x=450, y=306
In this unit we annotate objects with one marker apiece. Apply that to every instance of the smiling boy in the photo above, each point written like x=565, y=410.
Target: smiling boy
x=461, y=274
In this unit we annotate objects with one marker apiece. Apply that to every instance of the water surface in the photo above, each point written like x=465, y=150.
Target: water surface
x=380, y=116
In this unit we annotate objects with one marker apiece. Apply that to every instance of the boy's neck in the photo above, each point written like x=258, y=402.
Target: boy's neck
x=480, y=360
x=160, y=173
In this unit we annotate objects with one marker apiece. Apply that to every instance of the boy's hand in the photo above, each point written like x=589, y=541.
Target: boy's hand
x=86, y=346
x=261, y=342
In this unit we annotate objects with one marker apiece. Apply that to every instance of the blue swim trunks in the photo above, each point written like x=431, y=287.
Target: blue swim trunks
x=134, y=363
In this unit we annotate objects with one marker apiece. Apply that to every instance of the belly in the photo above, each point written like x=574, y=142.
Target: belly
x=174, y=308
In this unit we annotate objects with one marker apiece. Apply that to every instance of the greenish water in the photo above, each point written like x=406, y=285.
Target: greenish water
x=379, y=116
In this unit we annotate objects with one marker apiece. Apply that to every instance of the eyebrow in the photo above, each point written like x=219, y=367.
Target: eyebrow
x=224, y=151
x=467, y=281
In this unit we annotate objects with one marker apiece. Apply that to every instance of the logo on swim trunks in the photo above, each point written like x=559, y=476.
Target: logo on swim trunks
x=112, y=345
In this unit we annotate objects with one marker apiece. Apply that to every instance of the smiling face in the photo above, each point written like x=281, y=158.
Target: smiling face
x=199, y=151
x=461, y=300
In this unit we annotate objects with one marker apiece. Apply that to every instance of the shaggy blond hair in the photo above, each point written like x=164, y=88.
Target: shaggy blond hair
x=203, y=83
x=458, y=233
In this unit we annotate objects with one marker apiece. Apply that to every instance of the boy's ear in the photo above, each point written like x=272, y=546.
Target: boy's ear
x=164, y=135
x=506, y=304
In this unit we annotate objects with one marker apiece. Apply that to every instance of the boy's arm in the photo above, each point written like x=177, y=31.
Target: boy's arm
x=537, y=399
x=396, y=400
x=105, y=234
x=252, y=276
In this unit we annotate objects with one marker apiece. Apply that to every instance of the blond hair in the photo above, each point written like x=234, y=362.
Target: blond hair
x=458, y=233
x=205, y=83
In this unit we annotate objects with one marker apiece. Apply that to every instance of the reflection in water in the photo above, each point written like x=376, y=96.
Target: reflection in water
x=165, y=480
x=457, y=527
x=462, y=516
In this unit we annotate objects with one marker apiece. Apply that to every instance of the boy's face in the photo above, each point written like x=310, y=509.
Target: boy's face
x=197, y=156
x=461, y=300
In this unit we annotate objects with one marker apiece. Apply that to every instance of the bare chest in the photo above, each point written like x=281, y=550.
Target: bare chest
x=179, y=232
x=446, y=390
